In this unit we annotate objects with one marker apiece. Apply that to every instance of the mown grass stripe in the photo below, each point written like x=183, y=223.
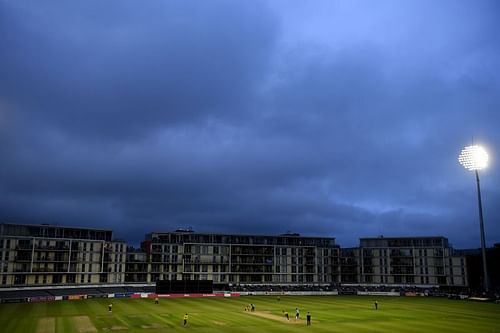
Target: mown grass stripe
x=330, y=314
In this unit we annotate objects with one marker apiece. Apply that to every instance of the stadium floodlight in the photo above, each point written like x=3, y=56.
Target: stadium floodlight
x=475, y=158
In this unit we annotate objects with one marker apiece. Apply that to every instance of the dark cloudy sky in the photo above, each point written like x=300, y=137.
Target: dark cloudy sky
x=326, y=118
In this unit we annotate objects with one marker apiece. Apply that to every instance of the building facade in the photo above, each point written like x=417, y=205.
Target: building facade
x=38, y=255
x=349, y=266
x=32, y=255
x=242, y=259
x=410, y=261
x=136, y=266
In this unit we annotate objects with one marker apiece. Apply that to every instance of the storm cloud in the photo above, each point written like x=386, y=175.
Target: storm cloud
x=323, y=118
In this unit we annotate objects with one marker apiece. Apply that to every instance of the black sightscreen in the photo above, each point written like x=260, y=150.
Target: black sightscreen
x=184, y=287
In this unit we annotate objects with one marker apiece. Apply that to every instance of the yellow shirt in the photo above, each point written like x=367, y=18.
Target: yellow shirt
x=185, y=317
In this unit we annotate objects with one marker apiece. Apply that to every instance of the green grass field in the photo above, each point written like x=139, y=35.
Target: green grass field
x=220, y=315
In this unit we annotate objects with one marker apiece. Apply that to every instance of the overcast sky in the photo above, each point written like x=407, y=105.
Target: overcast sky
x=325, y=118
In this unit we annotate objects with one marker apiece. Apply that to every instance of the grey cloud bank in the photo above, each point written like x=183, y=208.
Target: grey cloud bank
x=324, y=118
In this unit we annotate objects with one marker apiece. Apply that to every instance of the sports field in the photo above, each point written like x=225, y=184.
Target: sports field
x=220, y=315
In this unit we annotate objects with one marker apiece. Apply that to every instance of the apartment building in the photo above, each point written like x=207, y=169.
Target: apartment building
x=242, y=259
x=349, y=266
x=32, y=255
x=137, y=266
x=410, y=261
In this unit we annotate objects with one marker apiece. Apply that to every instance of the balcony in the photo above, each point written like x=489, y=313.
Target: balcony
x=24, y=247
x=44, y=270
x=44, y=259
x=51, y=248
x=22, y=258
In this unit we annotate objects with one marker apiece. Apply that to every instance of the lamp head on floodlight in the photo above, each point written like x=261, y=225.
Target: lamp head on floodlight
x=473, y=158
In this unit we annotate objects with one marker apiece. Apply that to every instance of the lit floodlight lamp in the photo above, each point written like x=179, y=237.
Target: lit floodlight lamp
x=473, y=158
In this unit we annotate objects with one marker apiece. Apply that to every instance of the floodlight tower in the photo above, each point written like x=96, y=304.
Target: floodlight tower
x=475, y=158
